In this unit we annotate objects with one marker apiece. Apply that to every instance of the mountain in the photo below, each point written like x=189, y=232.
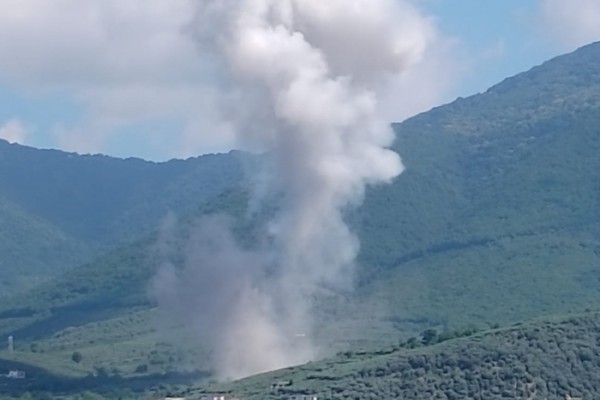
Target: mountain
x=495, y=163
x=498, y=213
x=495, y=220
x=58, y=210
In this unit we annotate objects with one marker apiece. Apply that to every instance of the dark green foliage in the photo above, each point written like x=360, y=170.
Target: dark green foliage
x=429, y=337
x=141, y=369
x=497, y=215
x=539, y=360
x=76, y=357
x=59, y=209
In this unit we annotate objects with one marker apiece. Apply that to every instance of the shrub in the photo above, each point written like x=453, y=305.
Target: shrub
x=76, y=357
x=141, y=369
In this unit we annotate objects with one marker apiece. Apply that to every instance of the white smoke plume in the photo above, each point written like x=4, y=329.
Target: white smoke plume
x=301, y=80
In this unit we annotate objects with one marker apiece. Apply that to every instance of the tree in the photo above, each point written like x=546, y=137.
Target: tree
x=429, y=336
x=76, y=357
x=141, y=369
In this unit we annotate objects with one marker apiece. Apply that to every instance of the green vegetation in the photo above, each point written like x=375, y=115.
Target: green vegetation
x=540, y=359
x=544, y=359
x=59, y=210
x=495, y=220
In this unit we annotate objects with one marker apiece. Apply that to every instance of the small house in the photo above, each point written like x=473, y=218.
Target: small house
x=16, y=374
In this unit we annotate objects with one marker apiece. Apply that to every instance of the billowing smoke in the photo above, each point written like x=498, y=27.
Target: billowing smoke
x=300, y=80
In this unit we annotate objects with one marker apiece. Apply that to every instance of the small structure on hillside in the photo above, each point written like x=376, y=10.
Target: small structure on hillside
x=11, y=345
x=16, y=374
x=276, y=386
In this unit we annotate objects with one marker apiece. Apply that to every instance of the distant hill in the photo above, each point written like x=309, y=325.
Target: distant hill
x=29, y=243
x=495, y=220
x=517, y=158
x=60, y=209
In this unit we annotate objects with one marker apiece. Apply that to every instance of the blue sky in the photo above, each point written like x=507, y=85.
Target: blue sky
x=498, y=33
x=113, y=77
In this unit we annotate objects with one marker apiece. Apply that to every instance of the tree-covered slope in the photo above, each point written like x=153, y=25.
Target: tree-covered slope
x=110, y=286
x=59, y=209
x=520, y=156
x=545, y=359
x=498, y=213
x=97, y=197
x=27, y=243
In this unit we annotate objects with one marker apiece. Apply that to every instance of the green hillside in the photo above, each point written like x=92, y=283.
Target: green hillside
x=497, y=216
x=20, y=256
x=103, y=310
x=58, y=210
x=545, y=359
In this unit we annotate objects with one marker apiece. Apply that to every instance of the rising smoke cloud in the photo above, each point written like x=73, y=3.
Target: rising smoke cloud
x=302, y=81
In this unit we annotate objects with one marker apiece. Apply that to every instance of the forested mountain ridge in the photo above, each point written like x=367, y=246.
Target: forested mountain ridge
x=27, y=242
x=72, y=207
x=564, y=85
x=497, y=215
x=515, y=140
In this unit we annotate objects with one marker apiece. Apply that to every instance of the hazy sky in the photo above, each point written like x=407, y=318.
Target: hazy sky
x=125, y=77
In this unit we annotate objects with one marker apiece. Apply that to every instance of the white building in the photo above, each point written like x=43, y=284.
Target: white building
x=16, y=374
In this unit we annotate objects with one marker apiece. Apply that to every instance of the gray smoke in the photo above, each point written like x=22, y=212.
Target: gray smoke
x=217, y=291
x=300, y=79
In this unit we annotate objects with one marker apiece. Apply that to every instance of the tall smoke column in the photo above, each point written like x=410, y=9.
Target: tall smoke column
x=310, y=72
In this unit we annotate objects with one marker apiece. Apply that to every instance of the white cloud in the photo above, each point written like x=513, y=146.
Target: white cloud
x=128, y=62
x=571, y=23
x=13, y=131
x=124, y=61
x=429, y=83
